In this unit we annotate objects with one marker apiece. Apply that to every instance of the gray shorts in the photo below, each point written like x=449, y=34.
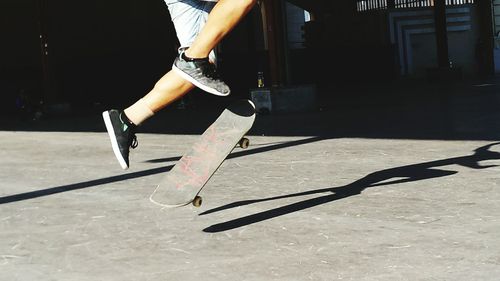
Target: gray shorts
x=189, y=17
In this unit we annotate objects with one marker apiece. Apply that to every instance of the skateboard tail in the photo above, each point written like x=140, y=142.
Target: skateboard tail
x=163, y=205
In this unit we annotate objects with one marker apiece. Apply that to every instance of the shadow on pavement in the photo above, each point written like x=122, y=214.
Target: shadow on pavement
x=97, y=182
x=81, y=185
x=410, y=173
x=267, y=147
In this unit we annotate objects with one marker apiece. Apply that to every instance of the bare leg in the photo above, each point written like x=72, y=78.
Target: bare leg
x=168, y=89
x=222, y=19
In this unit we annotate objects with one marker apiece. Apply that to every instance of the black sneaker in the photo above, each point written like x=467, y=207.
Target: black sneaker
x=202, y=74
x=122, y=134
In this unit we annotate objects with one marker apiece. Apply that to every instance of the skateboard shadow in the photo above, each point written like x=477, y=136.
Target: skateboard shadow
x=254, y=150
x=403, y=174
x=162, y=160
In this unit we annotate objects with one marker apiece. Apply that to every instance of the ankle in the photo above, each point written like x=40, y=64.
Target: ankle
x=192, y=57
x=138, y=112
x=124, y=118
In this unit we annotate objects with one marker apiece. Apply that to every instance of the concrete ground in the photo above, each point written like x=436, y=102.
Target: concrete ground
x=340, y=204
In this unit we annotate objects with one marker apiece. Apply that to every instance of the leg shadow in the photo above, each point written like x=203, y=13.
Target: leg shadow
x=410, y=173
x=81, y=185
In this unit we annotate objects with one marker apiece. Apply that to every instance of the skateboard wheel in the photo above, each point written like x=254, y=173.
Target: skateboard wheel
x=244, y=143
x=197, y=201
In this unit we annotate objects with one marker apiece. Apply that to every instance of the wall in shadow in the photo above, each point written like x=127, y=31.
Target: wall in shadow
x=410, y=110
x=109, y=53
x=100, y=52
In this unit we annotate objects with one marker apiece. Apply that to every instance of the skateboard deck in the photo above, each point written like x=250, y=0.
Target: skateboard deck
x=181, y=185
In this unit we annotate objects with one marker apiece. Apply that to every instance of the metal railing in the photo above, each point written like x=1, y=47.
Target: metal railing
x=368, y=5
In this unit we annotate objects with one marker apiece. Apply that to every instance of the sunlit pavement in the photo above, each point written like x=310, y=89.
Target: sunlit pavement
x=286, y=208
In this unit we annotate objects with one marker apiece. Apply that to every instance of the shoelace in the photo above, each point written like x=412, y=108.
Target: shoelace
x=211, y=71
x=134, y=143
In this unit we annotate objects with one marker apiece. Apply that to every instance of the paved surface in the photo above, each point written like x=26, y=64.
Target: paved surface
x=421, y=204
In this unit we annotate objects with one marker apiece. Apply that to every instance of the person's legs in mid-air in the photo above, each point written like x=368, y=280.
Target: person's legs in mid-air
x=200, y=26
x=194, y=63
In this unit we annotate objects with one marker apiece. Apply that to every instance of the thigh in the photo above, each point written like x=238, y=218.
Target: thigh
x=189, y=17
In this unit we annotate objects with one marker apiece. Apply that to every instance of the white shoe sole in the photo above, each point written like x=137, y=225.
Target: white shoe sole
x=112, y=137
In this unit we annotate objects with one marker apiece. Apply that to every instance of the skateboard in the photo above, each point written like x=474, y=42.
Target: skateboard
x=183, y=184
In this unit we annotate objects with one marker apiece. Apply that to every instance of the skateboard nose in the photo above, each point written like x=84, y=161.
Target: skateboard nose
x=244, y=108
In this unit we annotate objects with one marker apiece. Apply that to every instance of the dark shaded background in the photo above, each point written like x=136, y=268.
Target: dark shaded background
x=110, y=53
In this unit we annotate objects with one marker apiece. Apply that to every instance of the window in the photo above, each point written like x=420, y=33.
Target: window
x=368, y=5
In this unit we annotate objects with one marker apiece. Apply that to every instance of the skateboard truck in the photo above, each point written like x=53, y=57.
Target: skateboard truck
x=244, y=143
